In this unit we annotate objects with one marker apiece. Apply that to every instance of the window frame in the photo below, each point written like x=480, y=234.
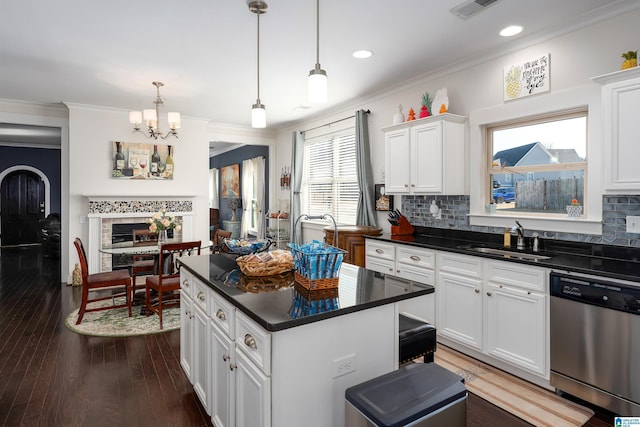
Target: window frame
x=318, y=138
x=581, y=97
x=530, y=169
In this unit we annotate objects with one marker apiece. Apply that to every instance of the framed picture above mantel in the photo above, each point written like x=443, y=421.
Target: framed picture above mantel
x=142, y=161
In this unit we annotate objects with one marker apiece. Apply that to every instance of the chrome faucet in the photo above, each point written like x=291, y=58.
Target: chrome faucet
x=519, y=230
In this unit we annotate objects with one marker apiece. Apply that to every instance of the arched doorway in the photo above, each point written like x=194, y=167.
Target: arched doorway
x=24, y=203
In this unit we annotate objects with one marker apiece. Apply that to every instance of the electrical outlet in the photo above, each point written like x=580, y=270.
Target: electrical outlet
x=633, y=224
x=344, y=365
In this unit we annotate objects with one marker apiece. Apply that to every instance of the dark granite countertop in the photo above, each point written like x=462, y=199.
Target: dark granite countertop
x=602, y=260
x=276, y=302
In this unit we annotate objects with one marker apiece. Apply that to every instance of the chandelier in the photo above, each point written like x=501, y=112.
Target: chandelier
x=150, y=118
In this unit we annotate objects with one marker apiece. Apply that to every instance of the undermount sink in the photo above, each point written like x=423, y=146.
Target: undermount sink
x=507, y=253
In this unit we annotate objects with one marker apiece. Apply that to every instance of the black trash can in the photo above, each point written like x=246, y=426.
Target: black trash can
x=418, y=394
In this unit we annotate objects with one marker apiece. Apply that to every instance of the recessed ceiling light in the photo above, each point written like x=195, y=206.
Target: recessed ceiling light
x=511, y=30
x=362, y=54
x=300, y=108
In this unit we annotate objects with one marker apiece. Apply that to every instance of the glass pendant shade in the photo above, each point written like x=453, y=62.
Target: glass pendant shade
x=135, y=117
x=317, y=85
x=174, y=120
x=258, y=116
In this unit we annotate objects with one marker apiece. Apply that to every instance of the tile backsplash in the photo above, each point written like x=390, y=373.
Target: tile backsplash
x=454, y=211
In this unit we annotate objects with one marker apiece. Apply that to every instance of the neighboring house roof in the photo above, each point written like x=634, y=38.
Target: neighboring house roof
x=512, y=156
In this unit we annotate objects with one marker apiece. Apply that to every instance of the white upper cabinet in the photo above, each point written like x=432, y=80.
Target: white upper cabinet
x=621, y=109
x=426, y=156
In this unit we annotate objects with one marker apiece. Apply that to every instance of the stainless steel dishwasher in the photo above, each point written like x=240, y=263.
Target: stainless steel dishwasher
x=595, y=340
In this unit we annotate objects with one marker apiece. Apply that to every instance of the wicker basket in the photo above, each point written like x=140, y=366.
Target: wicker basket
x=265, y=264
x=317, y=264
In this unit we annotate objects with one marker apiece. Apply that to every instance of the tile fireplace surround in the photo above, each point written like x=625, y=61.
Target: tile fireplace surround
x=105, y=211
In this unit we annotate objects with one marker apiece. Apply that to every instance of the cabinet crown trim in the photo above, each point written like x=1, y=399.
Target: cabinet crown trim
x=431, y=119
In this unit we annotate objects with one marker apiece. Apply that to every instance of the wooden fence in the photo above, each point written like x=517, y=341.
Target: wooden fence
x=549, y=195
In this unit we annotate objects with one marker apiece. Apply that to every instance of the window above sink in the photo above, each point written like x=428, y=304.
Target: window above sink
x=581, y=106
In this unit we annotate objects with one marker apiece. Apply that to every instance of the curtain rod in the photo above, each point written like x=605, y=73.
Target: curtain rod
x=333, y=122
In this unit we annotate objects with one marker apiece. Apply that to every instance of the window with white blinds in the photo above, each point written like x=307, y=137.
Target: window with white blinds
x=330, y=182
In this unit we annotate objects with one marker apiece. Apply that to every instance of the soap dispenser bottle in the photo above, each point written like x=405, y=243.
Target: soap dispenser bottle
x=507, y=238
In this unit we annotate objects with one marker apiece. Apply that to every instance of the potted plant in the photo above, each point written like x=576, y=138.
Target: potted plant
x=574, y=210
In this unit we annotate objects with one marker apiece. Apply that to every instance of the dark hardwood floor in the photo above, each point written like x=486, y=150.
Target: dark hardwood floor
x=50, y=376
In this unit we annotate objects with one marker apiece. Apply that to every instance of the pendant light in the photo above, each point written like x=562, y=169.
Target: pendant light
x=317, y=81
x=258, y=112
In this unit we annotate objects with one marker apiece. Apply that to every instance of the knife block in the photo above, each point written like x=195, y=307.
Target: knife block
x=403, y=228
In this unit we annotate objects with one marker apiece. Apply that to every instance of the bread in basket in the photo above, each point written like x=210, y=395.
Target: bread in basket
x=266, y=263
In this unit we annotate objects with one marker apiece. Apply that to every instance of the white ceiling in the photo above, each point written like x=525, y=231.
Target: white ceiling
x=107, y=53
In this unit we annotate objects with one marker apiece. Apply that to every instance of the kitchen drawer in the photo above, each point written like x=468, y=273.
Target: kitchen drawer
x=201, y=295
x=380, y=250
x=462, y=265
x=254, y=342
x=380, y=265
x=415, y=257
x=186, y=283
x=223, y=315
x=513, y=274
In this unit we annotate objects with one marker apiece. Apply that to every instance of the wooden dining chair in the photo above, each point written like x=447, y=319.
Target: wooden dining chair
x=218, y=238
x=117, y=280
x=142, y=263
x=166, y=284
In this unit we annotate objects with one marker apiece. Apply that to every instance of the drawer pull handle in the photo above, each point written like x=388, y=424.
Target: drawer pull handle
x=379, y=251
x=488, y=294
x=225, y=357
x=477, y=290
x=391, y=269
x=250, y=342
x=232, y=366
x=200, y=296
x=185, y=283
x=220, y=314
x=414, y=258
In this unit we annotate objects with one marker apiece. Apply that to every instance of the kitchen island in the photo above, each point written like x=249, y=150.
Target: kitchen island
x=265, y=351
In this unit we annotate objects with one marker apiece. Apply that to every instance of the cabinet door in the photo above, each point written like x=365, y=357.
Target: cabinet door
x=199, y=351
x=397, y=155
x=223, y=387
x=253, y=394
x=516, y=325
x=459, y=309
x=621, y=105
x=185, y=334
x=426, y=158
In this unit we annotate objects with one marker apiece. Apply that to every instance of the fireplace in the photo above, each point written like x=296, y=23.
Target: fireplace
x=122, y=235
x=130, y=213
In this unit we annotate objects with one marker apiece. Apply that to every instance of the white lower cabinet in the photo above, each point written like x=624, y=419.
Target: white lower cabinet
x=404, y=262
x=253, y=393
x=459, y=298
x=186, y=304
x=223, y=378
x=497, y=308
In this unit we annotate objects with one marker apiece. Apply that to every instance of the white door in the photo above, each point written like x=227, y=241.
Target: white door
x=200, y=348
x=516, y=327
x=185, y=334
x=222, y=395
x=427, y=159
x=253, y=394
x=460, y=309
x=397, y=155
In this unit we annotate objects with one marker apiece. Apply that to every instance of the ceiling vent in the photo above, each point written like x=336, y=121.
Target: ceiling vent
x=471, y=7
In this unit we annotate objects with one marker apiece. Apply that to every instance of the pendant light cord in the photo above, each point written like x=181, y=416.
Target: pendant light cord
x=258, y=59
x=317, y=33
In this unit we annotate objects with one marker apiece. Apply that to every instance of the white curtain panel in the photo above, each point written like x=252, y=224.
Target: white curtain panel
x=214, y=197
x=258, y=182
x=247, y=193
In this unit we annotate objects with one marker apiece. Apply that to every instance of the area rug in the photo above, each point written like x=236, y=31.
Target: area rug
x=525, y=400
x=117, y=323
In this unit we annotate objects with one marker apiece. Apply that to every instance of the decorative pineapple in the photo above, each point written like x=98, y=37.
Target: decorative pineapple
x=512, y=82
x=426, y=105
x=630, y=59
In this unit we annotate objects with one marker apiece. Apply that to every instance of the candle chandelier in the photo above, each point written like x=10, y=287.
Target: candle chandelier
x=151, y=116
